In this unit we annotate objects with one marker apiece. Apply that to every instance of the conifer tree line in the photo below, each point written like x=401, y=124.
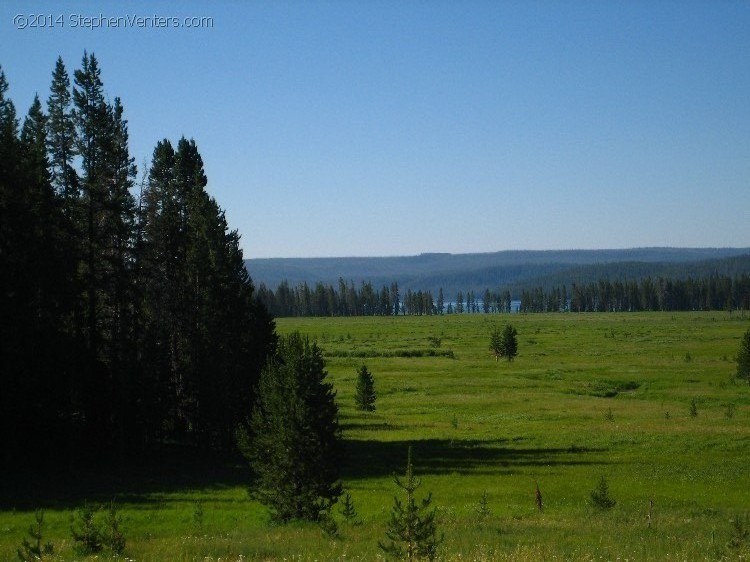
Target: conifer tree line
x=716, y=292
x=128, y=318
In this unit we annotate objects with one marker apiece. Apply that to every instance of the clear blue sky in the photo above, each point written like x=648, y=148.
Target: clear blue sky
x=393, y=128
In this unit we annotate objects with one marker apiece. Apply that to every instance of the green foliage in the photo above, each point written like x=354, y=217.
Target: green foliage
x=347, y=509
x=743, y=358
x=34, y=551
x=693, y=410
x=496, y=343
x=412, y=529
x=509, y=343
x=86, y=532
x=295, y=450
x=328, y=525
x=112, y=535
x=541, y=414
x=482, y=509
x=364, y=395
x=740, y=532
x=198, y=515
x=601, y=500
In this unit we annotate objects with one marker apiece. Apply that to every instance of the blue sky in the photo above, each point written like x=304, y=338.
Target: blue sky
x=394, y=128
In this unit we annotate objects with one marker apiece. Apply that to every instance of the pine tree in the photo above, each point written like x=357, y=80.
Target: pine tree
x=509, y=344
x=347, y=508
x=61, y=138
x=35, y=552
x=412, y=530
x=210, y=335
x=364, y=395
x=600, y=497
x=295, y=449
x=743, y=357
x=496, y=343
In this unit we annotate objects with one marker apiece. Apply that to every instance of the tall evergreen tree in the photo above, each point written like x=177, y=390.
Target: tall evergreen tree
x=211, y=336
x=295, y=446
x=34, y=273
x=61, y=139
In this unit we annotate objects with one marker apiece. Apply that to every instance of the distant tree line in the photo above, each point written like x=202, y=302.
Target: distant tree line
x=127, y=317
x=715, y=292
x=709, y=293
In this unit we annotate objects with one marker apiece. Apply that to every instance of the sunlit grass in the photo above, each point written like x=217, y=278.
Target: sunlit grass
x=588, y=395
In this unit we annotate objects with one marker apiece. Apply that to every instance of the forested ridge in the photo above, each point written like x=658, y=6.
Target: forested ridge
x=514, y=270
x=128, y=317
x=620, y=287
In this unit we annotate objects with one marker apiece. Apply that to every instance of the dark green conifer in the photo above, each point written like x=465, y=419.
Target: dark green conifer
x=295, y=446
x=364, y=395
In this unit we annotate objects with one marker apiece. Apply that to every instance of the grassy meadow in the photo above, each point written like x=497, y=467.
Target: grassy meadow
x=589, y=395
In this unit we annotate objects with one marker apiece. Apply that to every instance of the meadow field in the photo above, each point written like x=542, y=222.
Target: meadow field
x=649, y=401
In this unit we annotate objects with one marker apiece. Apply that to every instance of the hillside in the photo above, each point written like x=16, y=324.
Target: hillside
x=509, y=269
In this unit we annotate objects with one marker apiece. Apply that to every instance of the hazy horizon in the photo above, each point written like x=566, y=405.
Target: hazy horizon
x=512, y=250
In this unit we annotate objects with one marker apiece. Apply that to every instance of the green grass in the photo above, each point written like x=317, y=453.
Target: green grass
x=588, y=395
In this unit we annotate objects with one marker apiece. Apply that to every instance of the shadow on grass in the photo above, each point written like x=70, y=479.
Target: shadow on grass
x=370, y=458
x=141, y=480
x=145, y=481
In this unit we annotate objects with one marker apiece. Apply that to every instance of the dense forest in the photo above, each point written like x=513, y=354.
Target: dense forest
x=513, y=270
x=715, y=292
x=128, y=317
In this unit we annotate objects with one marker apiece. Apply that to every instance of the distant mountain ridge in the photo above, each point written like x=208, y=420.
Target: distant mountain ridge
x=513, y=269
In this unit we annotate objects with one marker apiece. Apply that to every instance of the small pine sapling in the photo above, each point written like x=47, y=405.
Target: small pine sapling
x=86, y=533
x=693, y=408
x=328, y=525
x=34, y=551
x=198, y=515
x=114, y=538
x=600, y=497
x=348, y=510
x=412, y=530
x=482, y=509
x=364, y=395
